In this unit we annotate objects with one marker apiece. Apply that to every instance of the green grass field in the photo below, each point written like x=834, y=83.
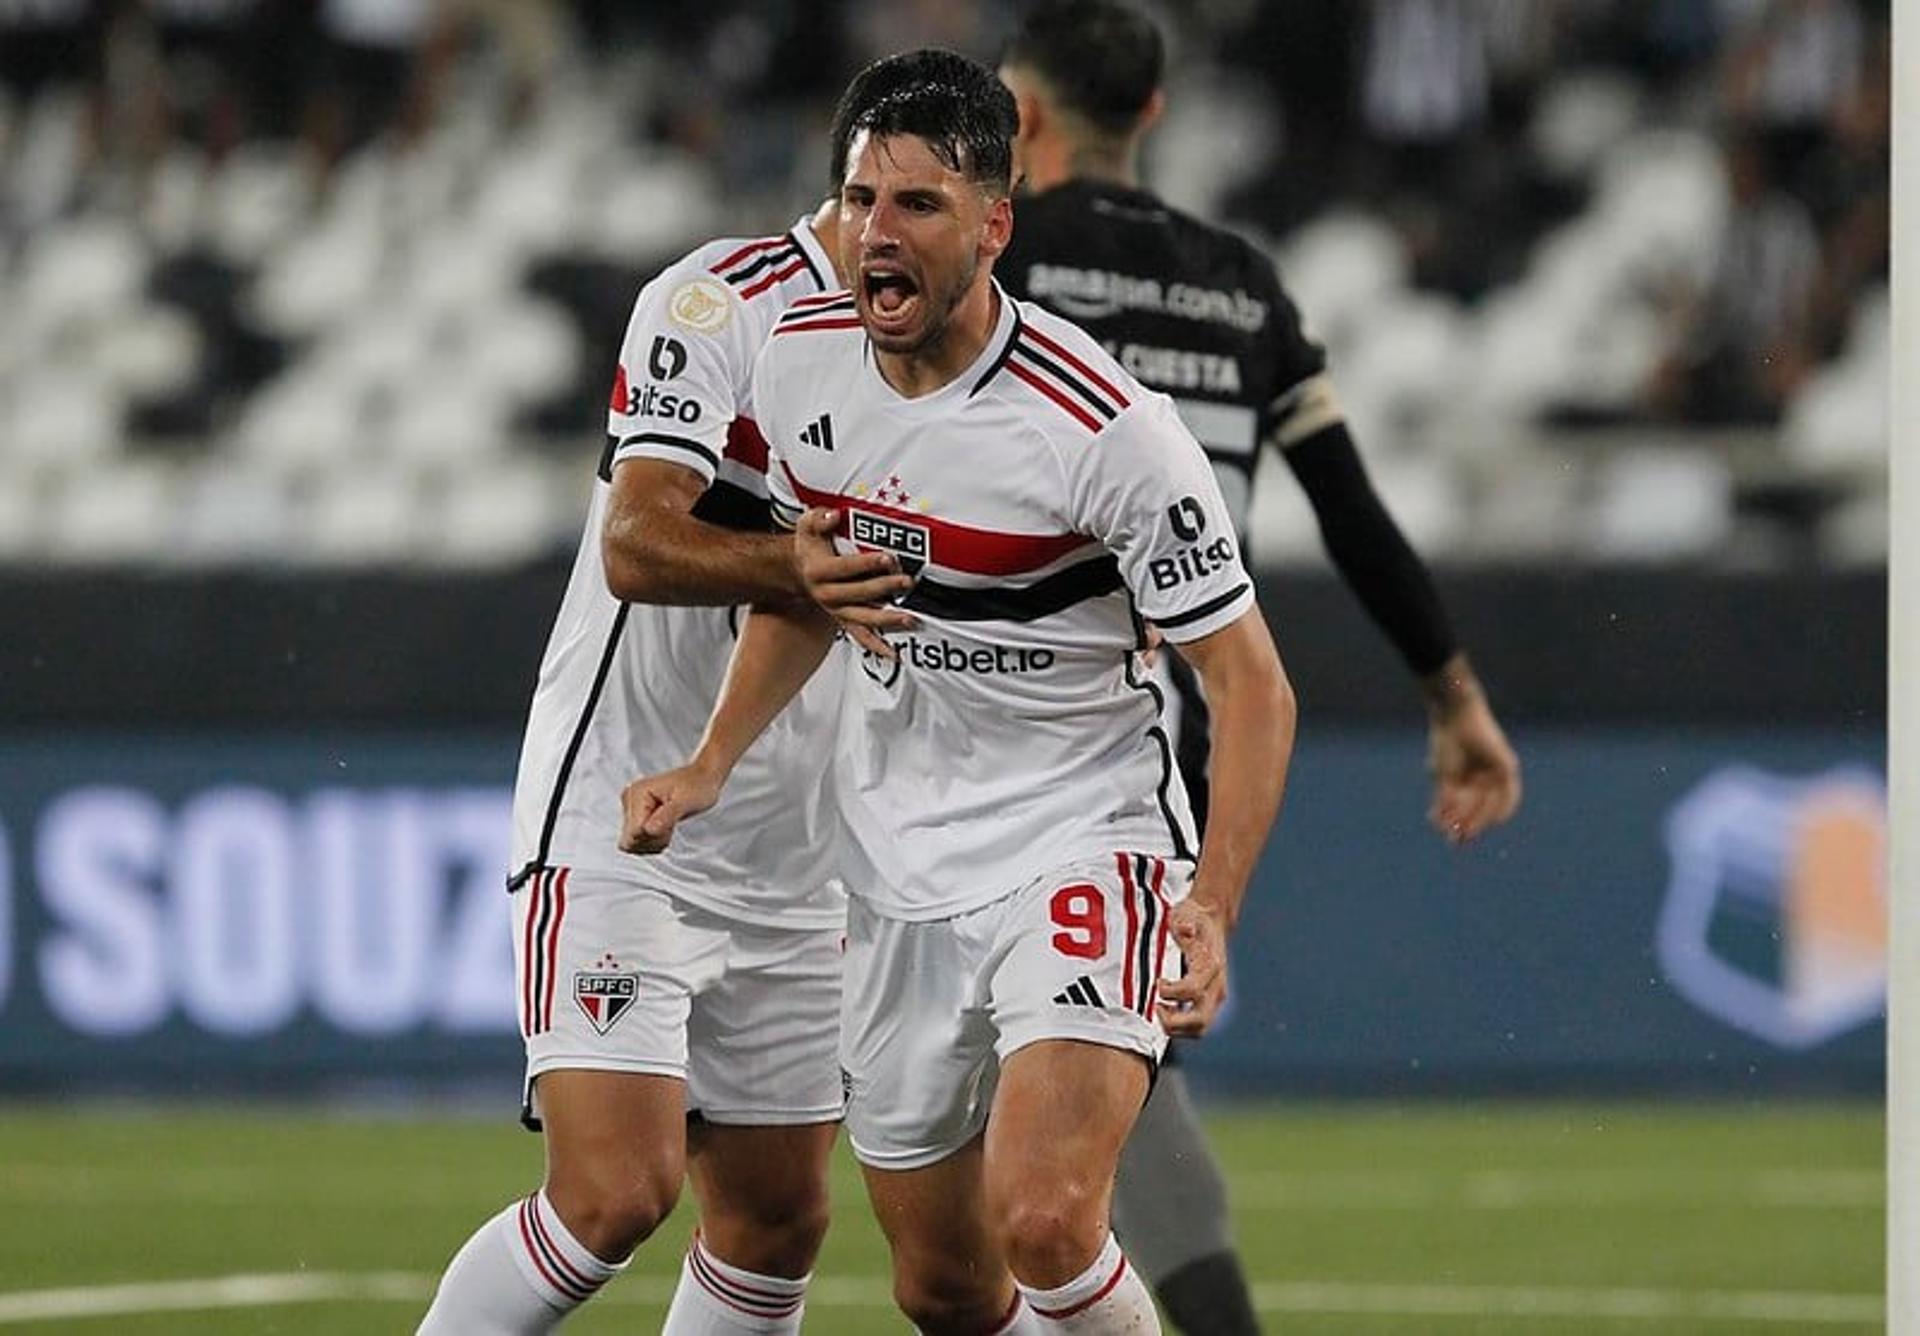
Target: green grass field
x=1355, y=1218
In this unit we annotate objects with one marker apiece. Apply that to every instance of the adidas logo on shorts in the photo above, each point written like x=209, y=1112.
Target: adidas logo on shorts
x=1080, y=993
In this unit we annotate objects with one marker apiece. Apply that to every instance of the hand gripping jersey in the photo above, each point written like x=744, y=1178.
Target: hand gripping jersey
x=1188, y=308
x=1046, y=502
x=625, y=689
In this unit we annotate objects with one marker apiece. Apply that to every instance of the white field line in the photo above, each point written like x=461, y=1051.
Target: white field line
x=1799, y=1308
x=1509, y=1189
x=1257, y=1190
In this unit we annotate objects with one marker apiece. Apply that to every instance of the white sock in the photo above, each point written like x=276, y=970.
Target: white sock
x=1107, y=1299
x=716, y=1298
x=518, y=1275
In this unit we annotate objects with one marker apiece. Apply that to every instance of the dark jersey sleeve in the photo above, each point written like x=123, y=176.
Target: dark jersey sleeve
x=1293, y=361
x=1304, y=422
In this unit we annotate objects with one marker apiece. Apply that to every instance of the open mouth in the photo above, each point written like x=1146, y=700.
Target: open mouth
x=890, y=295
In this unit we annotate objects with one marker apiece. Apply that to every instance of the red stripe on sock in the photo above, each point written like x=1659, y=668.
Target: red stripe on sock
x=729, y=1292
x=558, y=1257
x=1061, y=1314
x=539, y=1262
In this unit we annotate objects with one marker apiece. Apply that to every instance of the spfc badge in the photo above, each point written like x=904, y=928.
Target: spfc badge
x=604, y=994
x=910, y=543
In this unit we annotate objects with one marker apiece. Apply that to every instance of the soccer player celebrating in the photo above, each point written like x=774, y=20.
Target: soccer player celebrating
x=679, y=1013
x=1094, y=245
x=1024, y=875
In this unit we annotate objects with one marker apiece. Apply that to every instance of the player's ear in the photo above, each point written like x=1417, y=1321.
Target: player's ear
x=1151, y=113
x=997, y=232
x=1033, y=113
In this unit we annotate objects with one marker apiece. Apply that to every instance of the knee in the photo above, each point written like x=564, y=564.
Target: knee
x=775, y=1238
x=612, y=1215
x=942, y=1301
x=1051, y=1234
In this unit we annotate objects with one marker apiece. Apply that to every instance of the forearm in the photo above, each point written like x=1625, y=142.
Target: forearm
x=1369, y=550
x=1254, y=718
x=780, y=647
x=660, y=555
x=1452, y=687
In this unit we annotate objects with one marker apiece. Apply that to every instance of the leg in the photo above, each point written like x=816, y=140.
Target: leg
x=616, y=1154
x=763, y=1212
x=917, y=1048
x=615, y=1147
x=1170, y=1207
x=764, y=1079
x=606, y=1066
x=949, y=1276
x=1059, y=1121
x=763, y=1193
x=1061, y=1116
x=1082, y=952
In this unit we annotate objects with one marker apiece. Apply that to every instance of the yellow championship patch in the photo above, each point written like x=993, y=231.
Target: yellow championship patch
x=701, y=305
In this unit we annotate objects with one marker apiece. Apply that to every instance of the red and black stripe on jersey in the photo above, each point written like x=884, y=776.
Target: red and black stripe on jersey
x=1059, y=376
x=826, y=310
x=757, y=266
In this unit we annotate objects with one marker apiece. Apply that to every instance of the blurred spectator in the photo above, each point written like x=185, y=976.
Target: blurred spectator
x=49, y=44
x=199, y=92
x=381, y=66
x=51, y=104
x=527, y=37
x=1743, y=341
x=1793, y=72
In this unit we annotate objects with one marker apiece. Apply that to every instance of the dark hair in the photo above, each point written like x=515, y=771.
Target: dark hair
x=1100, y=58
x=957, y=105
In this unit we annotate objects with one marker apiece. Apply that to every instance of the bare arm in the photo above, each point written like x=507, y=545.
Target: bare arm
x=1254, y=714
x=779, y=649
x=1476, y=775
x=655, y=551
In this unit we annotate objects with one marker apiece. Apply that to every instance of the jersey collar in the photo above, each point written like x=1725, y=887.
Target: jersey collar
x=977, y=373
x=813, y=252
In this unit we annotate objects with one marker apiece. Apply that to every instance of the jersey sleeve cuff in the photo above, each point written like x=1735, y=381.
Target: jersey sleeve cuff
x=1203, y=619
x=675, y=449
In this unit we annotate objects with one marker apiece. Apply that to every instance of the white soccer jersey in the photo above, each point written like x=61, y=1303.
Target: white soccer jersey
x=625, y=689
x=1046, y=502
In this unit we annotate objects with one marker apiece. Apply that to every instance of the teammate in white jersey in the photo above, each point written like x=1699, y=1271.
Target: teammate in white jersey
x=679, y=1013
x=1021, y=861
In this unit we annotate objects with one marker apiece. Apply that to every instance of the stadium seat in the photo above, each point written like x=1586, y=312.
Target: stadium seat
x=320, y=278
x=260, y=200
x=61, y=418
x=502, y=514
x=121, y=515
x=1340, y=268
x=147, y=352
x=1660, y=504
x=83, y=272
x=232, y=514
x=1580, y=117
x=1406, y=365
x=310, y=417
x=377, y=516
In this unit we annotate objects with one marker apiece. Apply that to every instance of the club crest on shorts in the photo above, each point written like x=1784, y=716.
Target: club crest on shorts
x=604, y=993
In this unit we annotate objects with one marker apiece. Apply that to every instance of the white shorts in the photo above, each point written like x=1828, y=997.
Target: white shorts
x=932, y=1009
x=619, y=977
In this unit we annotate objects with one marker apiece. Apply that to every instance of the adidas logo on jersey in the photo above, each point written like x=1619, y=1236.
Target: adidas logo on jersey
x=1080, y=993
x=819, y=433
